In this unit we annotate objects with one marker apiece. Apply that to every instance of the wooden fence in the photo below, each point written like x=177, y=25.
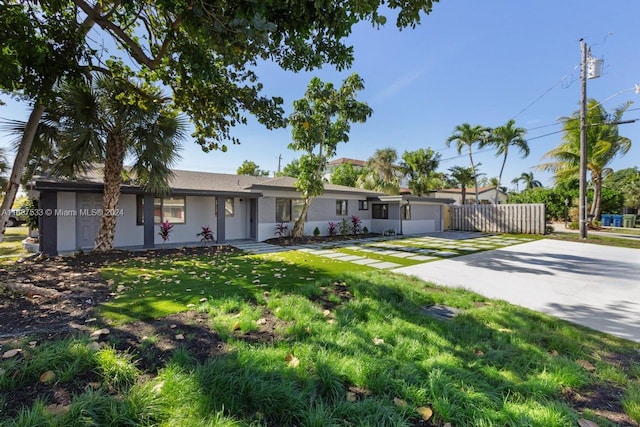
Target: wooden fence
x=511, y=218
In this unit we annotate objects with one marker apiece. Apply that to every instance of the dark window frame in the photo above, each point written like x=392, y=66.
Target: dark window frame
x=340, y=204
x=363, y=205
x=227, y=212
x=380, y=211
x=160, y=206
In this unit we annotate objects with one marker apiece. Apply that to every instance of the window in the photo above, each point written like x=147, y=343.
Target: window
x=288, y=209
x=341, y=207
x=380, y=211
x=228, y=206
x=406, y=211
x=283, y=210
x=170, y=209
x=363, y=205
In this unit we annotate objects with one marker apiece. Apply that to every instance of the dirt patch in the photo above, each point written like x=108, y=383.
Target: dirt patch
x=603, y=400
x=57, y=295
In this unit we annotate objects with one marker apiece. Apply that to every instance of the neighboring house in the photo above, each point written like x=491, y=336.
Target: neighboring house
x=486, y=195
x=252, y=207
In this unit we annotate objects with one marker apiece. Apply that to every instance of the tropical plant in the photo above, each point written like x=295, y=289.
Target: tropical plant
x=316, y=232
x=463, y=177
x=320, y=121
x=282, y=229
x=604, y=144
x=165, y=229
x=502, y=138
x=108, y=119
x=206, y=233
x=420, y=167
x=467, y=136
x=381, y=173
x=528, y=180
x=356, y=224
x=332, y=228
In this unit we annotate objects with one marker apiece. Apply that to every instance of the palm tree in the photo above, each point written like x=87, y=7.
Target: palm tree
x=44, y=148
x=604, y=144
x=528, y=180
x=503, y=137
x=463, y=177
x=466, y=135
x=381, y=172
x=107, y=119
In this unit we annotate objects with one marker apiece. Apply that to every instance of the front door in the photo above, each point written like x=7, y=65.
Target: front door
x=87, y=224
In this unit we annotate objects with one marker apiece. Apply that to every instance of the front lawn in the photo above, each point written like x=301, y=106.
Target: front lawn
x=12, y=243
x=292, y=338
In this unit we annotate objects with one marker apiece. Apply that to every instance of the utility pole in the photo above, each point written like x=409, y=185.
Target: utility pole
x=583, y=144
x=279, y=160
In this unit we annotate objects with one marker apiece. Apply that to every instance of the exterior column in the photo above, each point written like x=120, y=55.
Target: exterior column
x=48, y=223
x=148, y=222
x=220, y=237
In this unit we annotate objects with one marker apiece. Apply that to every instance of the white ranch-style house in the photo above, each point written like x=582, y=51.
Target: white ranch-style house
x=235, y=207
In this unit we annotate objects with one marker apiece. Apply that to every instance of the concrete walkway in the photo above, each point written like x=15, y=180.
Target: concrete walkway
x=592, y=285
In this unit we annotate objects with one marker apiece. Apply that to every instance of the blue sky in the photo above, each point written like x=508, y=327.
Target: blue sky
x=469, y=61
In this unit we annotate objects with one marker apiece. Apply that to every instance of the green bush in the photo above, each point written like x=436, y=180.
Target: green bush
x=316, y=232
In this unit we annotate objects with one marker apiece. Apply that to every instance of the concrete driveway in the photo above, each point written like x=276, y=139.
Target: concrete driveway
x=591, y=285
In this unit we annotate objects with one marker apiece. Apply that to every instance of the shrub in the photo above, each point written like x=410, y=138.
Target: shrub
x=165, y=229
x=316, y=232
x=365, y=230
x=356, y=224
x=206, y=233
x=282, y=229
x=332, y=229
x=344, y=227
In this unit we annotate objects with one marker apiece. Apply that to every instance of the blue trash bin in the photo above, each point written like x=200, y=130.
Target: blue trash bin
x=606, y=220
x=617, y=220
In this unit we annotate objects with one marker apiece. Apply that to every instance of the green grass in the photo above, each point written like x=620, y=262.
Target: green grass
x=12, y=242
x=341, y=359
x=598, y=239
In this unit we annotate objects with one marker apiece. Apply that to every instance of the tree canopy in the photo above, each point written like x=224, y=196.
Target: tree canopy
x=420, y=167
x=604, y=144
x=206, y=52
x=251, y=168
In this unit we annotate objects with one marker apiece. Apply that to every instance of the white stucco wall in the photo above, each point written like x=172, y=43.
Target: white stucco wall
x=66, y=224
x=199, y=211
x=127, y=232
x=321, y=211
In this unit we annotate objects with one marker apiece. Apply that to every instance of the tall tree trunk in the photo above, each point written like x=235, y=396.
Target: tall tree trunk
x=298, y=227
x=114, y=160
x=463, y=191
x=504, y=161
x=475, y=175
x=597, y=197
x=18, y=164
